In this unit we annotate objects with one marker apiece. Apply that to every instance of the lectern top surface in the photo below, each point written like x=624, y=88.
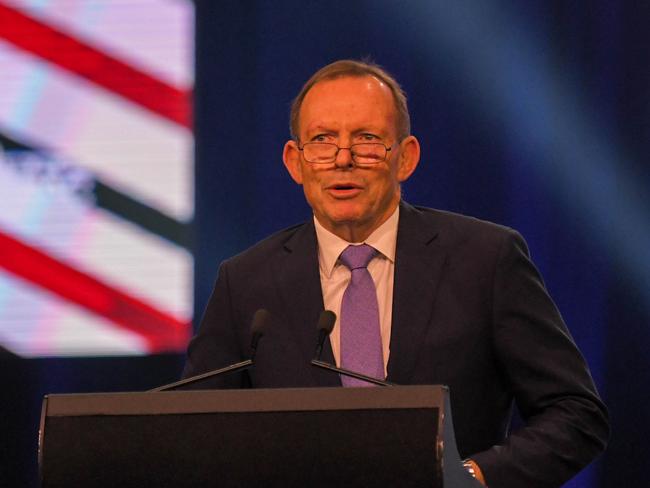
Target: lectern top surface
x=202, y=401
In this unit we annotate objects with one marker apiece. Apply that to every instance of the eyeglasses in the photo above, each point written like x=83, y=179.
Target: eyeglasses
x=367, y=153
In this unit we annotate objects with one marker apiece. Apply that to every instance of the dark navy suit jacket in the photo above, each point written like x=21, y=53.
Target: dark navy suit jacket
x=470, y=311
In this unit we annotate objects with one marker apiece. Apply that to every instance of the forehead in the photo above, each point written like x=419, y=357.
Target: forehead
x=347, y=102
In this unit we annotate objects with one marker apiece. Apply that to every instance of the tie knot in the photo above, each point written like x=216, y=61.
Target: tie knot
x=355, y=257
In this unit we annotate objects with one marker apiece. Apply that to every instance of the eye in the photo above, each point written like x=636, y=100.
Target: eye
x=320, y=138
x=368, y=137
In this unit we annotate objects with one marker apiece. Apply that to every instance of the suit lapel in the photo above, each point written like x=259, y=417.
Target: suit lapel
x=298, y=278
x=418, y=268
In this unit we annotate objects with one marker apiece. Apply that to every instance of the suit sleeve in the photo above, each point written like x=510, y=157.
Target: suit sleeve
x=217, y=343
x=566, y=423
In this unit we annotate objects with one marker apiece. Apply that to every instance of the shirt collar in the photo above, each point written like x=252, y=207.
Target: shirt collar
x=330, y=246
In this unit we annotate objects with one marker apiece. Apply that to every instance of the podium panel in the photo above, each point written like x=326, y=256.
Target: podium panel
x=397, y=436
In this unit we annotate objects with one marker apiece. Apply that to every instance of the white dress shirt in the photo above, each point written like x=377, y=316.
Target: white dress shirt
x=335, y=276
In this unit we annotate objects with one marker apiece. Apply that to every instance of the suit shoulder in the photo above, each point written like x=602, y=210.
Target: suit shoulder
x=459, y=225
x=462, y=233
x=267, y=249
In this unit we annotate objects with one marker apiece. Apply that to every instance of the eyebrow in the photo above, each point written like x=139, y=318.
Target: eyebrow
x=362, y=130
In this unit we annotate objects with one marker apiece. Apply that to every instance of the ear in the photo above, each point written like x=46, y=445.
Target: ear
x=291, y=158
x=409, y=158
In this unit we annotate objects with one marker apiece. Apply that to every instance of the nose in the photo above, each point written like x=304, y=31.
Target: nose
x=344, y=158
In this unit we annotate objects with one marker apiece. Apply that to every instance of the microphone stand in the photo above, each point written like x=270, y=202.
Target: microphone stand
x=260, y=321
x=352, y=374
x=233, y=368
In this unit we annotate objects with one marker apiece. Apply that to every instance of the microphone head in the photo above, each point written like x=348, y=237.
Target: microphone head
x=326, y=322
x=260, y=320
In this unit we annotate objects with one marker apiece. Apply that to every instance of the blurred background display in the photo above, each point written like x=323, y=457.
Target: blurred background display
x=96, y=176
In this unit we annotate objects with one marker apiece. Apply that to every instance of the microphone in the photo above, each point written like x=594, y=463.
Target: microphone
x=258, y=326
x=260, y=320
x=325, y=325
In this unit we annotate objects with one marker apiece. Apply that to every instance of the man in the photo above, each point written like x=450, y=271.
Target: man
x=456, y=300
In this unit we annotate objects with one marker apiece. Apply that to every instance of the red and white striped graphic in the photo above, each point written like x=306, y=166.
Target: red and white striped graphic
x=95, y=95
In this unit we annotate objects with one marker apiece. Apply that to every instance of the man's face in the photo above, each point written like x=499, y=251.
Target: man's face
x=349, y=200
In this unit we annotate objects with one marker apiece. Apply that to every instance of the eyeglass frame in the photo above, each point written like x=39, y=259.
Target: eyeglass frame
x=352, y=154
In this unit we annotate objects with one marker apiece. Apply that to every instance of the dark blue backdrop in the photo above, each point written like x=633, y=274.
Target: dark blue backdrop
x=530, y=114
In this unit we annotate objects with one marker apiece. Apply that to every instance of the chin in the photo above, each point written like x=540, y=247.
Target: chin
x=347, y=208
x=346, y=218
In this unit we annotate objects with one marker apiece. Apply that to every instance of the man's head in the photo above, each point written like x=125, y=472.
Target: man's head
x=351, y=195
x=354, y=69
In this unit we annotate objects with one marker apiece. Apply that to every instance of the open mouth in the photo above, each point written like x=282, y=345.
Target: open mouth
x=344, y=185
x=344, y=190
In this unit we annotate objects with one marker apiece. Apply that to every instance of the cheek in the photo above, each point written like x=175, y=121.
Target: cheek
x=311, y=182
x=384, y=184
x=312, y=188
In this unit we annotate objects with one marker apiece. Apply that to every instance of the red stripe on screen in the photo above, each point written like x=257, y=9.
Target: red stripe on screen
x=162, y=332
x=94, y=65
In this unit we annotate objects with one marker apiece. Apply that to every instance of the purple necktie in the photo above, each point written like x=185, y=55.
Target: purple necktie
x=361, y=349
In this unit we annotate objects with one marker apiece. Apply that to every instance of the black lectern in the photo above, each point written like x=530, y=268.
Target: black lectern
x=398, y=436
